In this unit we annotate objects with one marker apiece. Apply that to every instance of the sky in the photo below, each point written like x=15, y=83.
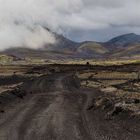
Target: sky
x=22, y=21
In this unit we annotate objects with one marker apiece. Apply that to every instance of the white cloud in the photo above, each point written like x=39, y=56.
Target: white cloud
x=62, y=15
x=24, y=36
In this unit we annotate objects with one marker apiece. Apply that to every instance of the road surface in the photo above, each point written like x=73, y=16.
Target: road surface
x=53, y=109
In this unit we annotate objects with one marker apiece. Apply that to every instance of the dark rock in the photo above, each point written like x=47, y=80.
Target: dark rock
x=2, y=111
x=117, y=110
x=137, y=101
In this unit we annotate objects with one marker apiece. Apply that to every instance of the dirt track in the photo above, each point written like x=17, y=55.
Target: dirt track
x=57, y=112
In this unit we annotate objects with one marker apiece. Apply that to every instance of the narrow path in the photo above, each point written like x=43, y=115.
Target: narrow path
x=56, y=114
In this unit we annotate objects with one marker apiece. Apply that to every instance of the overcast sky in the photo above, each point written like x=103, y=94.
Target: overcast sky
x=21, y=20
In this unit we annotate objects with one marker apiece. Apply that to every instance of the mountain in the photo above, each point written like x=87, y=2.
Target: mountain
x=62, y=49
x=127, y=45
x=122, y=41
x=124, y=46
x=62, y=44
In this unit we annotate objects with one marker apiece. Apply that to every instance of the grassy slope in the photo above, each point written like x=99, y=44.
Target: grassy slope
x=91, y=47
x=132, y=50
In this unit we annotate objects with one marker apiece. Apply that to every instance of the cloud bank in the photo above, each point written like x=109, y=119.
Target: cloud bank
x=21, y=21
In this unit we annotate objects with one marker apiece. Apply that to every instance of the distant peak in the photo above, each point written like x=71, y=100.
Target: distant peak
x=126, y=36
x=130, y=34
x=124, y=40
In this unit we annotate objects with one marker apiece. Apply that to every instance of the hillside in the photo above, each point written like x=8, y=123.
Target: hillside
x=122, y=41
x=92, y=49
x=129, y=51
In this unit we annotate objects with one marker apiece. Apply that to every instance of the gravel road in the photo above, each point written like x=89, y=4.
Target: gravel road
x=57, y=112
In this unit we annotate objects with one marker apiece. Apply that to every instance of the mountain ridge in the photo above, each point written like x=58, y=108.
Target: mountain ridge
x=123, y=40
x=64, y=48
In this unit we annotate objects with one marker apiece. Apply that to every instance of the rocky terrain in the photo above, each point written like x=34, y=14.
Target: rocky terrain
x=70, y=102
